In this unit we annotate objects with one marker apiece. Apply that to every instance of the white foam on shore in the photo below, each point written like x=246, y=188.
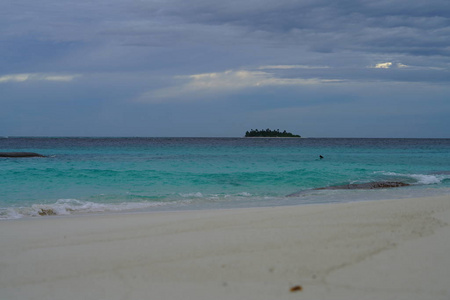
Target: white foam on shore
x=192, y=195
x=425, y=179
x=73, y=206
x=421, y=185
x=64, y=207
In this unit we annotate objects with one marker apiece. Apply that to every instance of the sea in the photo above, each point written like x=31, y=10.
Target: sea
x=96, y=175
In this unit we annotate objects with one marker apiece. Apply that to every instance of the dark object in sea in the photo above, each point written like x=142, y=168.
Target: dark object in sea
x=20, y=154
x=320, y=156
x=357, y=186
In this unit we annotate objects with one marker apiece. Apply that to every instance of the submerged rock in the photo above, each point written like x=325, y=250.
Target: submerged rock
x=366, y=186
x=357, y=186
x=46, y=212
x=20, y=154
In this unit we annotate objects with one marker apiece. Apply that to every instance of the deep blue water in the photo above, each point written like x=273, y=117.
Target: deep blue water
x=85, y=175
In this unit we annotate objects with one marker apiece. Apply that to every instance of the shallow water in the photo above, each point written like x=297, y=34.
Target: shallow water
x=85, y=175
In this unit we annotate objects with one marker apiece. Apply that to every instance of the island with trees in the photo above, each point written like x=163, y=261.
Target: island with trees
x=269, y=133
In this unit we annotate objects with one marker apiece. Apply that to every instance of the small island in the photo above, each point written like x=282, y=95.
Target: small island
x=269, y=133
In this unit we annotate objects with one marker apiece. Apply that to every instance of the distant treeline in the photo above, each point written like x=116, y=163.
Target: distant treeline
x=269, y=133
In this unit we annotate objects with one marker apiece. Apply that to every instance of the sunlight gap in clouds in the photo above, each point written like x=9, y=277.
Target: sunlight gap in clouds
x=288, y=67
x=224, y=82
x=243, y=78
x=389, y=65
x=385, y=65
x=37, y=76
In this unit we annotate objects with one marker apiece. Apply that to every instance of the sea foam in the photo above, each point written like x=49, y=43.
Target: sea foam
x=73, y=206
x=422, y=179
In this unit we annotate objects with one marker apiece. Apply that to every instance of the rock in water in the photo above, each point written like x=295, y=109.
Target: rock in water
x=46, y=212
x=357, y=186
x=20, y=154
x=366, y=186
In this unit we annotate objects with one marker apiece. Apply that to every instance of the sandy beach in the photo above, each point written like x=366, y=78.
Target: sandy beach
x=392, y=249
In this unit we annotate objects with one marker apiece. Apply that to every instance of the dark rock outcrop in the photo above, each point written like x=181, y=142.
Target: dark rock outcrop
x=47, y=212
x=357, y=186
x=20, y=154
x=366, y=186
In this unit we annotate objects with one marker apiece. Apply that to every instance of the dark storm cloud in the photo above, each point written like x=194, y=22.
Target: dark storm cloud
x=86, y=29
x=417, y=28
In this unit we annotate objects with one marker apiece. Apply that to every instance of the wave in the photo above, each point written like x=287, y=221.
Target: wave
x=200, y=195
x=422, y=179
x=63, y=207
x=73, y=206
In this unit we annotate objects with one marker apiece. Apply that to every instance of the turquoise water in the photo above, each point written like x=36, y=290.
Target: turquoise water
x=101, y=175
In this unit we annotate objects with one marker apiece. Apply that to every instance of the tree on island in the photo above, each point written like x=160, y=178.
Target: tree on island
x=269, y=133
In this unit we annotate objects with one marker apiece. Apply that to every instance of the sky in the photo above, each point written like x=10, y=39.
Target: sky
x=209, y=68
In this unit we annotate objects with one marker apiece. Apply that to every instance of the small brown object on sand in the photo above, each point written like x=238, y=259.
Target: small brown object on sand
x=296, y=288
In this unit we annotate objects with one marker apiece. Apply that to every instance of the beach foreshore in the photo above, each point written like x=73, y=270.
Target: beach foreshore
x=390, y=249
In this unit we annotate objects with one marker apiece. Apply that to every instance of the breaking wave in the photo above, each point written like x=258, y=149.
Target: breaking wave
x=421, y=179
x=64, y=207
x=73, y=206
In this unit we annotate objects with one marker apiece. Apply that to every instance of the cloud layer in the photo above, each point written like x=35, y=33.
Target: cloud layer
x=206, y=85
x=127, y=58
x=33, y=77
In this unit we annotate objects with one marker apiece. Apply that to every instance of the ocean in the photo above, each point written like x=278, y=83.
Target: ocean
x=116, y=175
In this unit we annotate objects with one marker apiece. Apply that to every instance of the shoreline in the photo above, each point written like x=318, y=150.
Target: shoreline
x=384, y=249
x=67, y=209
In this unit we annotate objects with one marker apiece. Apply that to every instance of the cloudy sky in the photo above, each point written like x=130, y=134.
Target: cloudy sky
x=319, y=68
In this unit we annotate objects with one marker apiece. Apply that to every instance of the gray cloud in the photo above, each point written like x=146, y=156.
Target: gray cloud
x=293, y=54
x=375, y=26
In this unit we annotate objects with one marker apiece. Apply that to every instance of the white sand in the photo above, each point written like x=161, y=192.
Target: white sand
x=396, y=249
